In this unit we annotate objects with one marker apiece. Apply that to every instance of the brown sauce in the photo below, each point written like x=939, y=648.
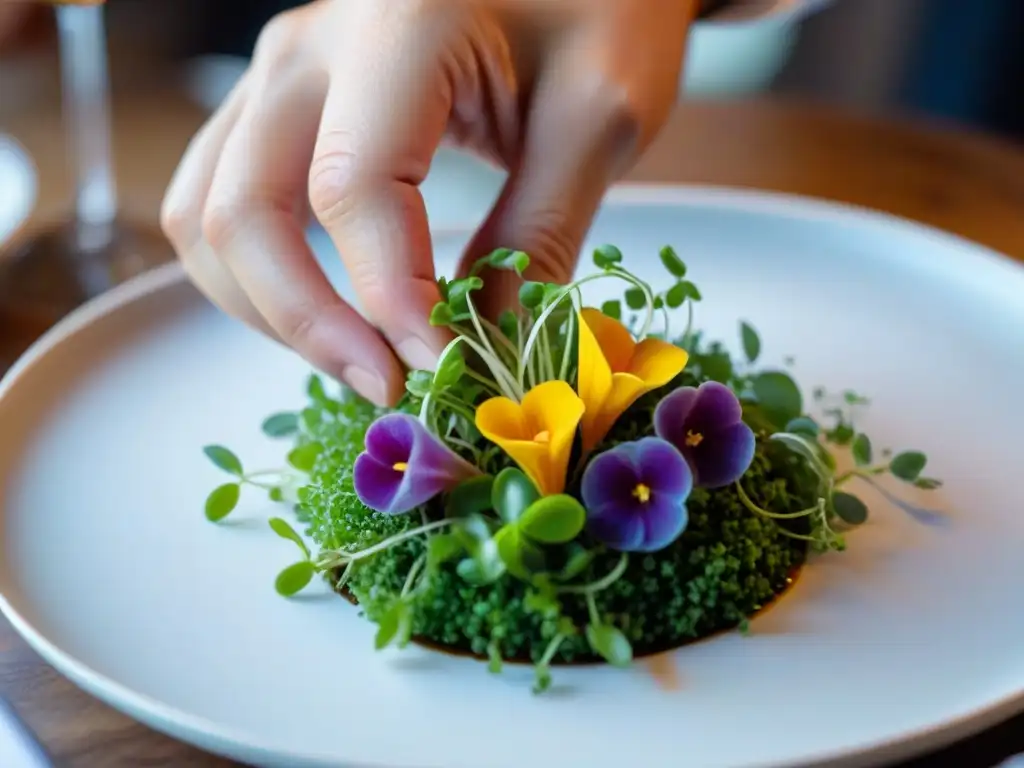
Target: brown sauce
x=659, y=660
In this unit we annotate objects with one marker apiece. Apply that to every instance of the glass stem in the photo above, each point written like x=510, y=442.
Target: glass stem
x=86, y=85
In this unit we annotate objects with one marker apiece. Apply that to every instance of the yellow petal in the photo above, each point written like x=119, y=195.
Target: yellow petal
x=553, y=407
x=626, y=388
x=594, y=378
x=656, y=362
x=613, y=338
x=538, y=434
x=500, y=418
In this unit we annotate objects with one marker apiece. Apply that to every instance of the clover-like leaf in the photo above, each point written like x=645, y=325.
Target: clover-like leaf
x=861, y=449
x=294, y=578
x=609, y=643
x=778, y=396
x=908, y=465
x=441, y=548
x=280, y=425
x=512, y=493
x=849, y=508
x=607, y=256
x=222, y=500
x=672, y=262
x=522, y=558
x=304, y=457
x=224, y=459
x=751, y=342
x=612, y=309
x=531, y=294
x=553, y=519
x=285, y=531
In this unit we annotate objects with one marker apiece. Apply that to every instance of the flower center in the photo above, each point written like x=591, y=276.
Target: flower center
x=399, y=466
x=542, y=437
x=693, y=439
x=642, y=492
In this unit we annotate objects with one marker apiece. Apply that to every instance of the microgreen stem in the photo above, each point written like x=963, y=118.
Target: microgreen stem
x=749, y=504
x=595, y=617
x=347, y=557
x=345, y=575
x=603, y=583
x=866, y=472
x=551, y=650
x=563, y=370
x=413, y=573
x=689, y=322
x=487, y=383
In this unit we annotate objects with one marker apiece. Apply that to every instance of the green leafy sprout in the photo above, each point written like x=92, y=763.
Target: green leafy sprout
x=496, y=536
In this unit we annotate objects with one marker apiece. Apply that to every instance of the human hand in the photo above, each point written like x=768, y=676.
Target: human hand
x=342, y=109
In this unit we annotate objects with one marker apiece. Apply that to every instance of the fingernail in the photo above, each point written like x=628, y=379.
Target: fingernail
x=369, y=385
x=417, y=354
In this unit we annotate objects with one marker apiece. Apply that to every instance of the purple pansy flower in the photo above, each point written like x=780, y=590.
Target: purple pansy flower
x=635, y=495
x=706, y=424
x=404, y=465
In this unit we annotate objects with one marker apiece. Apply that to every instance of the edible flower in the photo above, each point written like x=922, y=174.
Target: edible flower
x=614, y=370
x=404, y=465
x=706, y=424
x=635, y=495
x=537, y=434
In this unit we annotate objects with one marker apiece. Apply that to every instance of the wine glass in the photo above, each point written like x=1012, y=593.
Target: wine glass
x=54, y=270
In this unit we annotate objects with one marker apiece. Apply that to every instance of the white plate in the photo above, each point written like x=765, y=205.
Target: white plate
x=908, y=640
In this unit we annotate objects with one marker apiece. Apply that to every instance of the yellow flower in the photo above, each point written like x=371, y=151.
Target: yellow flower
x=614, y=370
x=538, y=434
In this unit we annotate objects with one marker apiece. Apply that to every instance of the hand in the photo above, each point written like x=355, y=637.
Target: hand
x=342, y=109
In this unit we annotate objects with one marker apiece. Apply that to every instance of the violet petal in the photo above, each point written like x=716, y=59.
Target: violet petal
x=672, y=413
x=663, y=469
x=619, y=526
x=716, y=406
x=390, y=438
x=610, y=477
x=723, y=456
x=376, y=483
x=665, y=518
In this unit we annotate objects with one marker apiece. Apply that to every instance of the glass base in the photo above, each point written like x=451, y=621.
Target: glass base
x=46, y=275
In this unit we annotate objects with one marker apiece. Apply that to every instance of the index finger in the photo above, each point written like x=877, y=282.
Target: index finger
x=384, y=117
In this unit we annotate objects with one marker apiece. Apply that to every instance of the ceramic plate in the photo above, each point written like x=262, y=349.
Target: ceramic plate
x=906, y=641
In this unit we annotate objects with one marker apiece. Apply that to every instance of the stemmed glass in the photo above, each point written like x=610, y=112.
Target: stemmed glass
x=60, y=267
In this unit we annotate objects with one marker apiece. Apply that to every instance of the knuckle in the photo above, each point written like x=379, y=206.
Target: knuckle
x=552, y=245
x=221, y=220
x=334, y=176
x=277, y=43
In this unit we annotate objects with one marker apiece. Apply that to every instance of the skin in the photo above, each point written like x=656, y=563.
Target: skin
x=338, y=116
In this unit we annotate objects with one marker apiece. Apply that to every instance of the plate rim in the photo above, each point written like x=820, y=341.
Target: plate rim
x=208, y=735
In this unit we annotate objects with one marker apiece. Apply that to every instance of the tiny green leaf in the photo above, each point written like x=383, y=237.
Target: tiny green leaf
x=390, y=624
x=310, y=419
x=221, y=501
x=717, y=366
x=506, y=258
x=304, y=457
x=553, y=519
x=692, y=291
x=442, y=287
x=672, y=262
x=545, y=604
x=485, y=567
x=609, y=643
x=294, y=578
x=861, y=449
x=531, y=294
x=849, y=508
x=541, y=678
x=927, y=483
x=285, y=531
x=449, y=370
x=509, y=325
x=458, y=293
x=494, y=660
x=275, y=494
x=612, y=309
x=419, y=383
x=778, y=395
x=659, y=303
x=635, y=298
x=522, y=558
x=803, y=425
x=908, y=465
x=512, y=493
x=751, y=342
x=606, y=256
x=675, y=297
x=577, y=563
x=441, y=314
x=224, y=459
x=471, y=497
x=280, y=425
x=441, y=548
x=841, y=434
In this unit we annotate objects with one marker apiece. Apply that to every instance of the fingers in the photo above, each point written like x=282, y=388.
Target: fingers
x=593, y=111
x=383, y=118
x=182, y=212
x=250, y=221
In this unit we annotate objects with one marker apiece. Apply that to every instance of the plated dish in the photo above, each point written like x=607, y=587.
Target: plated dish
x=904, y=641
x=571, y=484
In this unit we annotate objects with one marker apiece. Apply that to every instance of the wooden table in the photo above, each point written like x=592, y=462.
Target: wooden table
x=966, y=184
